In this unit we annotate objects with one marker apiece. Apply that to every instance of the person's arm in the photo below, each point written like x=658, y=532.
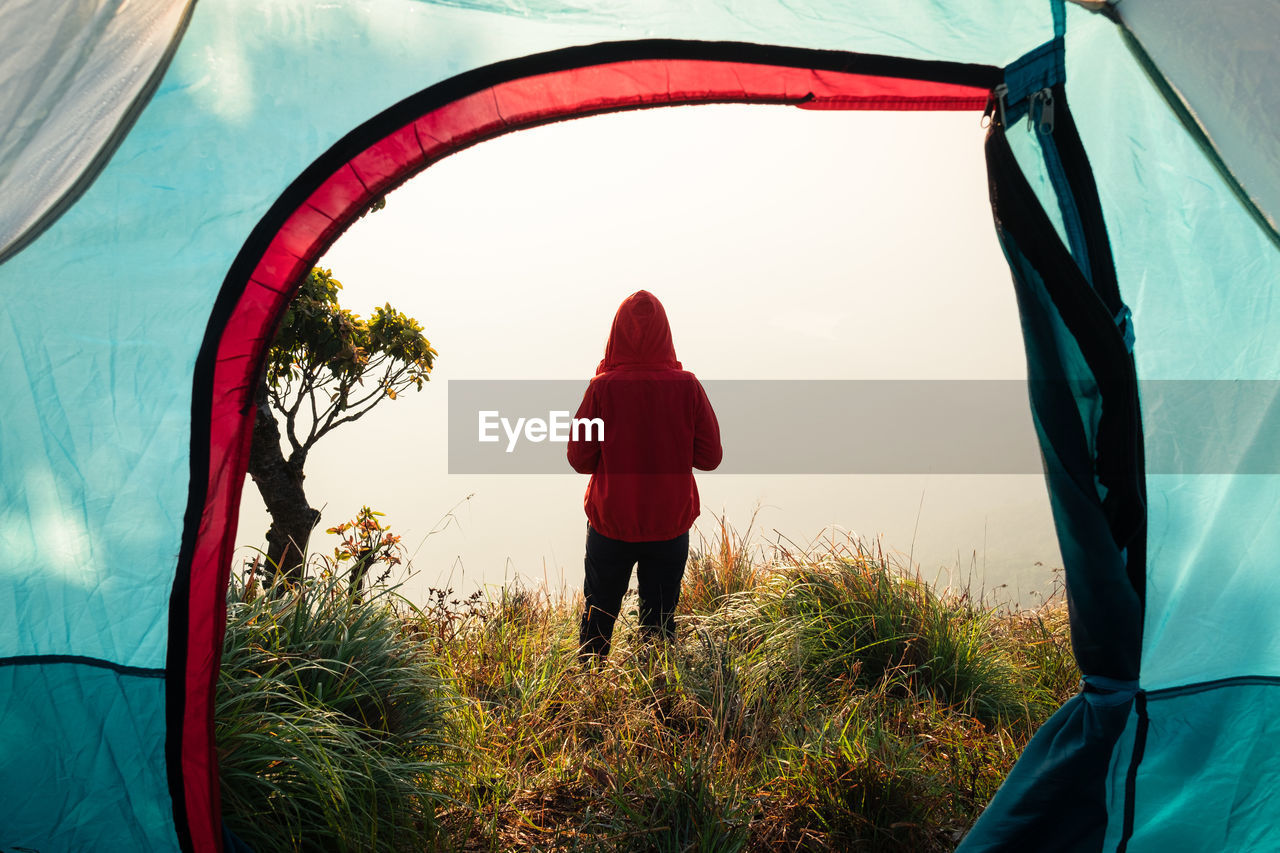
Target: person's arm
x=584, y=451
x=707, y=451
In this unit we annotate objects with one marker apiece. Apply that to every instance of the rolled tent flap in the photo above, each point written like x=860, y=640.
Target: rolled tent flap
x=1190, y=719
x=73, y=76
x=1061, y=795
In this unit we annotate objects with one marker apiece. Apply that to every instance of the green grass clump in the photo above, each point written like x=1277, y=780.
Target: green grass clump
x=331, y=722
x=812, y=702
x=853, y=620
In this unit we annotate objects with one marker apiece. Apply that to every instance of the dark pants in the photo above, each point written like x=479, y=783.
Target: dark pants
x=608, y=572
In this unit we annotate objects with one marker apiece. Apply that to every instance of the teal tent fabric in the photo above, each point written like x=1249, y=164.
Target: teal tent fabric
x=82, y=749
x=1140, y=241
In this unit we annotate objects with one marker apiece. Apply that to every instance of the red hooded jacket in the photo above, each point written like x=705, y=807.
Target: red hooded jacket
x=658, y=427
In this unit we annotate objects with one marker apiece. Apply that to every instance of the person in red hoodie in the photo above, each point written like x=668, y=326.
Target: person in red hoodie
x=642, y=499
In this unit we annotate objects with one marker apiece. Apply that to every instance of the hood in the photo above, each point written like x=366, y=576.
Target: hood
x=640, y=337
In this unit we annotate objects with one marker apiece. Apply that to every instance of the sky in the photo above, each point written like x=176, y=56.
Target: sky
x=784, y=244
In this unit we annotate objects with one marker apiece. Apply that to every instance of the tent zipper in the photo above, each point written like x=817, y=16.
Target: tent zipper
x=996, y=106
x=1043, y=123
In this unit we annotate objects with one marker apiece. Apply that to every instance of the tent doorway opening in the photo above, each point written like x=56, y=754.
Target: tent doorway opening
x=789, y=246
x=490, y=102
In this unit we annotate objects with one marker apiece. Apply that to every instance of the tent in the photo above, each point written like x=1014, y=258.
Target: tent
x=168, y=169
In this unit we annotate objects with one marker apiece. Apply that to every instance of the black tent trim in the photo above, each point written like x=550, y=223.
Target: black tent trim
x=342, y=152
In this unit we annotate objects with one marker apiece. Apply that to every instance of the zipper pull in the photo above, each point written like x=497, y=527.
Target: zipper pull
x=1124, y=322
x=1044, y=122
x=995, y=105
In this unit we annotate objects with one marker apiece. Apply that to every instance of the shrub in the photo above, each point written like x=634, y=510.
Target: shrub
x=331, y=723
x=842, y=620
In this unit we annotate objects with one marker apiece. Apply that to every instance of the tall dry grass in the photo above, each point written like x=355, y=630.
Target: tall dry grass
x=816, y=699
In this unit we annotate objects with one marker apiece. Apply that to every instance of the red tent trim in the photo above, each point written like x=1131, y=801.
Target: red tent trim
x=340, y=197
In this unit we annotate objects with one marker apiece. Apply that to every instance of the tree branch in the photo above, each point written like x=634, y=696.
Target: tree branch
x=305, y=380
x=373, y=398
x=357, y=416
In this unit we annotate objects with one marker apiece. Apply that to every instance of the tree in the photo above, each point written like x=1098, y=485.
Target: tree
x=326, y=367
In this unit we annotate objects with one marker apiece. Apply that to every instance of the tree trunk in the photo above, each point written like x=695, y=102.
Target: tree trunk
x=360, y=568
x=279, y=481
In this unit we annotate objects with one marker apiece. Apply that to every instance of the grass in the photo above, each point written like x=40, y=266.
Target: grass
x=815, y=700
x=331, y=723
